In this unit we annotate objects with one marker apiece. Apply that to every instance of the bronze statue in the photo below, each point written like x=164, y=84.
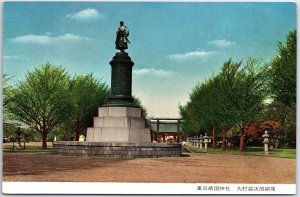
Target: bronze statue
x=122, y=37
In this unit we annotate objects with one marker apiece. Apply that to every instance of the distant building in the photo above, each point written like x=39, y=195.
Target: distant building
x=168, y=130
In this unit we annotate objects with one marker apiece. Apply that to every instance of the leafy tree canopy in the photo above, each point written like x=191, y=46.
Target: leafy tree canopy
x=283, y=72
x=42, y=100
x=87, y=94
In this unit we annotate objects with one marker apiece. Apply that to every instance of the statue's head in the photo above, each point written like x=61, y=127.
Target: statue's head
x=121, y=23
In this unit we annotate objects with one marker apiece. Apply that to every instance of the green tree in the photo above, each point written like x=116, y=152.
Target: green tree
x=191, y=123
x=7, y=94
x=137, y=101
x=283, y=72
x=63, y=132
x=283, y=89
x=7, y=90
x=9, y=130
x=234, y=97
x=244, y=91
x=42, y=100
x=204, y=112
x=186, y=114
x=87, y=94
x=286, y=117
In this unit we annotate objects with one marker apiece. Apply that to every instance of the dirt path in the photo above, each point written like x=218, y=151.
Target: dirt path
x=197, y=168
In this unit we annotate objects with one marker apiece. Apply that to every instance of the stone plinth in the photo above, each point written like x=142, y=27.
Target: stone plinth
x=116, y=150
x=119, y=124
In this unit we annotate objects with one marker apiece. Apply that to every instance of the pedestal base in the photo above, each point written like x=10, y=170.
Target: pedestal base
x=118, y=132
x=119, y=124
x=116, y=150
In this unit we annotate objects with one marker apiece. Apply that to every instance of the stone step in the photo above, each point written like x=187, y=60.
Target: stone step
x=124, y=122
x=108, y=134
x=119, y=112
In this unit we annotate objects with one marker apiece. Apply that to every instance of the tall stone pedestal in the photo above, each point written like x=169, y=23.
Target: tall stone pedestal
x=119, y=124
x=120, y=120
x=121, y=80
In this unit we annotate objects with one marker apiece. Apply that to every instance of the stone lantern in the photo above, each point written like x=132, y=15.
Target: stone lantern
x=194, y=141
x=197, y=141
x=201, y=142
x=266, y=142
x=18, y=137
x=205, y=142
x=187, y=140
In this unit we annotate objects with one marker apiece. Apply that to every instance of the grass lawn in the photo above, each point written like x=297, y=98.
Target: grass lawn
x=29, y=147
x=258, y=151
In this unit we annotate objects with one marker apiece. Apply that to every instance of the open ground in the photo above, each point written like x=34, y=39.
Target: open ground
x=192, y=168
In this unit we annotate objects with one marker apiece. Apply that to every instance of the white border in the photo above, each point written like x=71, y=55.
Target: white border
x=141, y=188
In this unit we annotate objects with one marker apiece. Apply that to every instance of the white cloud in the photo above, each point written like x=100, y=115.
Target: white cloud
x=9, y=57
x=191, y=55
x=151, y=71
x=86, y=14
x=223, y=43
x=71, y=37
x=49, y=33
x=45, y=39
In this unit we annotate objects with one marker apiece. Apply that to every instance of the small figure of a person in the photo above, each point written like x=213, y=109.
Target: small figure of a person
x=122, y=37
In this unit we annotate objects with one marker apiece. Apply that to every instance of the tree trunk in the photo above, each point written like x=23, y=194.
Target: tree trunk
x=214, y=138
x=44, y=136
x=224, y=144
x=242, y=140
x=283, y=138
x=77, y=129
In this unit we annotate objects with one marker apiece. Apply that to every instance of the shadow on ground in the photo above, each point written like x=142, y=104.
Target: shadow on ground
x=42, y=163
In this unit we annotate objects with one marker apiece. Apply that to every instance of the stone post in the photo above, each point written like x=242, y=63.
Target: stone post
x=189, y=140
x=81, y=138
x=266, y=142
x=197, y=141
x=205, y=142
x=194, y=141
x=178, y=130
x=201, y=142
x=157, y=129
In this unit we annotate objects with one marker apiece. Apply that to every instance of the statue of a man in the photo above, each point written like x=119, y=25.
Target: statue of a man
x=122, y=40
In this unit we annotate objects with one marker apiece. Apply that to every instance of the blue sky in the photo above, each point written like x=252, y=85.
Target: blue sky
x=174, y=45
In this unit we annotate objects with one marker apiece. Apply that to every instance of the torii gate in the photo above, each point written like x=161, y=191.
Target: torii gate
x=161, y=121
